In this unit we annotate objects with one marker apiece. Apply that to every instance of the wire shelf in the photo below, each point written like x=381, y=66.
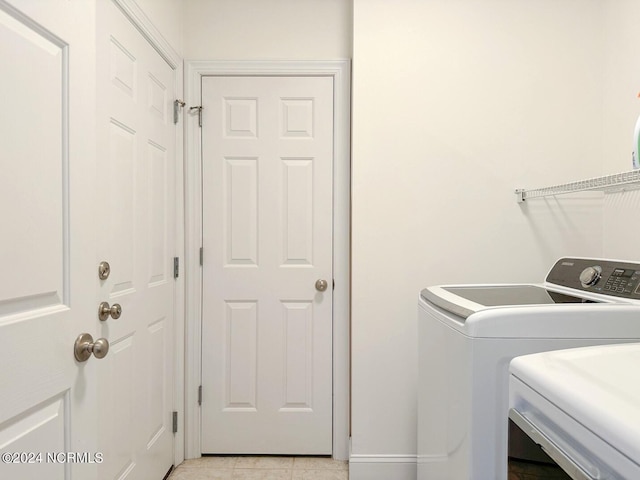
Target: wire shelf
x=616, y=182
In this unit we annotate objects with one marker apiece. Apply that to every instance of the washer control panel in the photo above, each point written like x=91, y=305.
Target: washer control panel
x=607, y=277
x=623, y=281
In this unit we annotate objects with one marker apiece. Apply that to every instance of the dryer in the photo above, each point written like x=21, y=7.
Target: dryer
x=583, y=407
x=468, y=334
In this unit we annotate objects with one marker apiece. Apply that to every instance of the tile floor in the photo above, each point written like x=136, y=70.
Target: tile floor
x=261, y=468
x=314, y=468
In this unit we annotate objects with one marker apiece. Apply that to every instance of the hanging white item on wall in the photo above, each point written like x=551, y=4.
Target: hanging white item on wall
x=635, y=161
x=636, y=145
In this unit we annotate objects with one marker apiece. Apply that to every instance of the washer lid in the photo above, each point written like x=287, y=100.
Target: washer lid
x=464, y=300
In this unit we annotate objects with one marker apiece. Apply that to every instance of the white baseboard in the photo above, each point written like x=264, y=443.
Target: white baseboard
x=382, y=467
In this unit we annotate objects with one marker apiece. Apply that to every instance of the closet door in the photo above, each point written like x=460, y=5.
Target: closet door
x=267, y=265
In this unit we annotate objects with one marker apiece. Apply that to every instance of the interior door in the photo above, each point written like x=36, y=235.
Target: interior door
x=267, y=165
x=47, y=290
x=135, y=231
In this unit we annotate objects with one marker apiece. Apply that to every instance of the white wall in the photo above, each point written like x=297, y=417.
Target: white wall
x=455, y=104
x=267, y=30
x=621, y=109
x=621, y=82
x=167, y=17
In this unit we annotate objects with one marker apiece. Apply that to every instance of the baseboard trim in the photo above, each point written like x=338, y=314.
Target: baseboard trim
x=382, y=467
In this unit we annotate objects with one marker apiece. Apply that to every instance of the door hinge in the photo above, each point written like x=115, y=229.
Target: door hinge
x=176, y=267
x=175, y=422
x=201, y=256
x=200, y=395
x=177, y=105
x=199, y=109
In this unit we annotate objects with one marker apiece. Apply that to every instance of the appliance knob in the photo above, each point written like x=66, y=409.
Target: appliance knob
x=590, y=276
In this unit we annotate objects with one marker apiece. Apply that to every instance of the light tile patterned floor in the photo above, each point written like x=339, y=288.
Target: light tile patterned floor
x=314, y=468
x=261, y=468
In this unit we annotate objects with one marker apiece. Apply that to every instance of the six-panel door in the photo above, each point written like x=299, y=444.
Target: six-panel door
x=267, y=237
x=135, y=234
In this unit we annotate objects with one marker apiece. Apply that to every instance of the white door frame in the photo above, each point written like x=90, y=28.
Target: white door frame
x=149, y=31
x=340, y=71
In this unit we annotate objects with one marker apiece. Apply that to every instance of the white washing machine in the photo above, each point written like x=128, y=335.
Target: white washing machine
x=468, y=334
x=583, y=407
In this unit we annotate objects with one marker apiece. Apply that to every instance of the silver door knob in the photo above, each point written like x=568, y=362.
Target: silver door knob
x=104, y=269
x=321, y=285
x=104, y=311
x=85, y=346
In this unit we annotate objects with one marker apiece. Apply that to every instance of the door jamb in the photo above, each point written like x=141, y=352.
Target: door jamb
x=340, y=71
x=141, y=21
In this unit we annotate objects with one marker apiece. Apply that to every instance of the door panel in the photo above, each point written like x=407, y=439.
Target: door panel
x=37, y=216
x=267, y=238
x=136, y=171
x=46, y=290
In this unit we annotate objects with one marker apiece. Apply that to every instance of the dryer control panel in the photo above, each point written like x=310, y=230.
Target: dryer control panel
x=607, y=277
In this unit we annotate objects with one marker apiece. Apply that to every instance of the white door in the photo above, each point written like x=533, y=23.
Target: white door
x=267, y=163
x=47, y=286
x=135, y=235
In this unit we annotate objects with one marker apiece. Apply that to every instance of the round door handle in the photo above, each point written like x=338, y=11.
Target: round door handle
x=104, y=269
x=104, y=311
x=321, y=285
x=84, y=346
